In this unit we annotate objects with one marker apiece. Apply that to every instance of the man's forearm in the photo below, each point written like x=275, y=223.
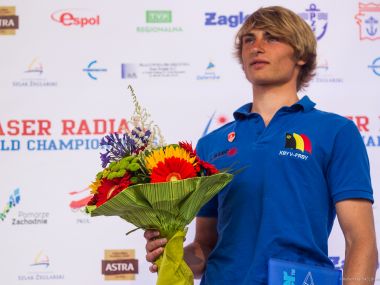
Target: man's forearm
x=196, y=258
x=360, y=263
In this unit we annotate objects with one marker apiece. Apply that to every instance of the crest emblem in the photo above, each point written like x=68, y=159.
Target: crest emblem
x=368, y=19
x=316, y=19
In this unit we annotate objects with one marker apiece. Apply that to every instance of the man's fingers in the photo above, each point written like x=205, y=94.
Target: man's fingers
x=153, y=255
x=150, y=234
x=153, y=268
x=152, y=245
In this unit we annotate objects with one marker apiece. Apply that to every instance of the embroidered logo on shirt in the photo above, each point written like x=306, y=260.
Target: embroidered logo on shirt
x=226, y=152
x=231, y=136
x=296, y=141
x=300, y=143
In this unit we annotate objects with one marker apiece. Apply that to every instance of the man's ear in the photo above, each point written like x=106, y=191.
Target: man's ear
x=300, y=62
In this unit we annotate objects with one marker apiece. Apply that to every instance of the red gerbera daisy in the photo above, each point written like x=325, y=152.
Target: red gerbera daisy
x=188, y=147
x=208, y=167
x=172, y=169
x=110, y=188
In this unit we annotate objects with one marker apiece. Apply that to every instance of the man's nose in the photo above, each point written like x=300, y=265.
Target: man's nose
x=257, y=46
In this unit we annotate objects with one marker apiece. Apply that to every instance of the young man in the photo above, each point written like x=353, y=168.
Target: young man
x=299, y=168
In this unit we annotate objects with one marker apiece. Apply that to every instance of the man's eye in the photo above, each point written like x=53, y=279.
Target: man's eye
x=272, y=38
x=247, y=40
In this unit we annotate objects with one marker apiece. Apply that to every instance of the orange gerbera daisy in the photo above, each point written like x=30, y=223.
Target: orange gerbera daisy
x=170, y=164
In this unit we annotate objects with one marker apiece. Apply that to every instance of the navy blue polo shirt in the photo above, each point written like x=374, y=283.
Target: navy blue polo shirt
x=281, y=202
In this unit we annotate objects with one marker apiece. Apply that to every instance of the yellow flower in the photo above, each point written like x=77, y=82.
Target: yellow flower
x=94, y=186
x=159, y=155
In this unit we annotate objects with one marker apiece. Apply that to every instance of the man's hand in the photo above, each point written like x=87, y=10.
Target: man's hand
x=154, y=247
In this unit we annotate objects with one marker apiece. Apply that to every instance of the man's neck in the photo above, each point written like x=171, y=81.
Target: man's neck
x=267, y=100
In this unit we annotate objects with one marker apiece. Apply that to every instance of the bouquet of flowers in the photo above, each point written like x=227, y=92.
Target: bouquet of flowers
x=154, y=186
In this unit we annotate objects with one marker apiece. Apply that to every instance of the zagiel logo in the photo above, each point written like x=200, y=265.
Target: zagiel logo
x=8, y=20
x=119, y=265
x=296, y=141
x=91, y=70
x=368, y=19
x=209, y=73
x=316, y=19
x=375, y=66
x=76, y=18
x=232, y=21
x=13, y=200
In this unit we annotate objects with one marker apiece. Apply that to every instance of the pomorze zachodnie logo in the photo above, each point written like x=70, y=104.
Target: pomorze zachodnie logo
x=9, y=21
x=13, y=200
x=76, y=18
x=91, y=70
x=375, y=66
x=232, y=21
x=368, y=19
x=316, y=19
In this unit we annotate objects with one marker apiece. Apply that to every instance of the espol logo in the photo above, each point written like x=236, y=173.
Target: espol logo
x=76, y=17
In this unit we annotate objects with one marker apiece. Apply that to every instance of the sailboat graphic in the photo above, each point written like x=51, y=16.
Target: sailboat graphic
x=308, y=279
x=41, y=260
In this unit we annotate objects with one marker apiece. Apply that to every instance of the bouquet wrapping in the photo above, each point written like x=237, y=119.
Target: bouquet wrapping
x=155, y=186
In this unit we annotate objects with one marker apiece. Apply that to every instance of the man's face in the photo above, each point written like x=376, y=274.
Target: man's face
x=267, y=61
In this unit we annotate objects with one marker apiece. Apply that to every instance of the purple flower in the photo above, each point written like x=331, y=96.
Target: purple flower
x=118, y=147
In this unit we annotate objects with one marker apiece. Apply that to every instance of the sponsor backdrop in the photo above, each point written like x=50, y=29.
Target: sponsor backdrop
x=64, y=72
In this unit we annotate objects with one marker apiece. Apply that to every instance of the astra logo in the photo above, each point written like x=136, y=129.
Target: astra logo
x=8, y=20
x=120, y=264
x=213, y=19
x=75, y=17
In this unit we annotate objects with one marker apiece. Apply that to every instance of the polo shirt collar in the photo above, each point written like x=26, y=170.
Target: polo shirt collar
x=304, y=104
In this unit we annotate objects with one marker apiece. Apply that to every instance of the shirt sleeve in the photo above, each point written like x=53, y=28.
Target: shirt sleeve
x=348, y=172
x=210, y=209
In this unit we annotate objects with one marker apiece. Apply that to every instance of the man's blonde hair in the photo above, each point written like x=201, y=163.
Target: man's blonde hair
x=288, y=27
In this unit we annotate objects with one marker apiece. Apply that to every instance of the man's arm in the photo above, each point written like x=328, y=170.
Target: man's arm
x=197, y=252
x=356, y=220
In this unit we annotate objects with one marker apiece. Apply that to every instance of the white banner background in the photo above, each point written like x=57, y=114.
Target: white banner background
x=183, y=72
